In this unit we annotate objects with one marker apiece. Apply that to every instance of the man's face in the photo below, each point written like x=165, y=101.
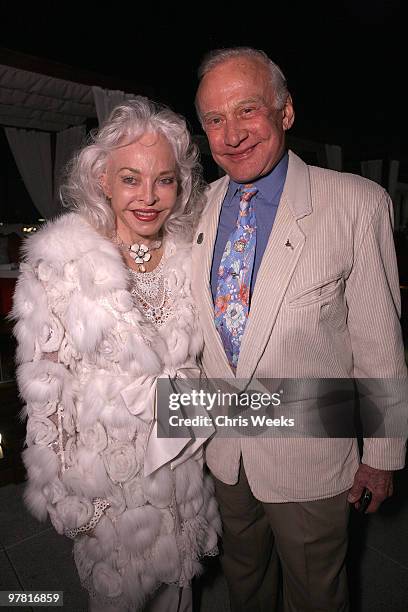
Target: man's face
x=245, y=132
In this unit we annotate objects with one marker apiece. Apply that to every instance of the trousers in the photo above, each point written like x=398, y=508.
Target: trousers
x=304, y=541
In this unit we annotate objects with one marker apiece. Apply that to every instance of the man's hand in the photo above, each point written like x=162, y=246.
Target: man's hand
x=379, y=482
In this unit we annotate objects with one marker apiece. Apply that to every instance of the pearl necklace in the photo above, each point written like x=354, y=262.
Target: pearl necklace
x=140, y=253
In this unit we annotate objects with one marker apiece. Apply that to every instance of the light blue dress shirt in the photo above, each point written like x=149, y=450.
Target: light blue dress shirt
x=270, y=189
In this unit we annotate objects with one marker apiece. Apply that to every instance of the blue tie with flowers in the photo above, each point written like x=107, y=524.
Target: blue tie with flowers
x=234, y=277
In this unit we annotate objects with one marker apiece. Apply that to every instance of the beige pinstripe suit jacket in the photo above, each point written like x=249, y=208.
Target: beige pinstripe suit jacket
x=326, y=306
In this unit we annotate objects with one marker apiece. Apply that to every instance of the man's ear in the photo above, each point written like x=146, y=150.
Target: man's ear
x=104, y=183
x=288, y=114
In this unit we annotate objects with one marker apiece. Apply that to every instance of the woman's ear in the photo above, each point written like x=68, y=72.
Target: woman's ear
x=105, y=184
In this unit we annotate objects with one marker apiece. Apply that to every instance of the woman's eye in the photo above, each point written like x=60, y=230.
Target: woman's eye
x=168, y=180
x=129, y=180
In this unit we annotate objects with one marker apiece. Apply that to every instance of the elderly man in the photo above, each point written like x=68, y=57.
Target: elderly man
x=295, y=277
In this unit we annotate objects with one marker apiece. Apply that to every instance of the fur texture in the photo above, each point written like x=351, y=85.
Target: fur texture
x=82, y=342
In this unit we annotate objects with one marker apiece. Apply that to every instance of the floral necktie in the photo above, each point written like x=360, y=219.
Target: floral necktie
x=234, y=277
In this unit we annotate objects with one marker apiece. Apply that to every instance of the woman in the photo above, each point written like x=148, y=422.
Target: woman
x=103, y=308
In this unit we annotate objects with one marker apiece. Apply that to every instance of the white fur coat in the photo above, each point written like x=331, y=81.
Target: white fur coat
x=81, y=343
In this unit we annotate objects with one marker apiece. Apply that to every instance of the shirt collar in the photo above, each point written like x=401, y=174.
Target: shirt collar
x=268, y=185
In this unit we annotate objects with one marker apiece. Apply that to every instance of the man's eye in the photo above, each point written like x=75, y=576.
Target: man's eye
x=213, y=121
x=248, y=110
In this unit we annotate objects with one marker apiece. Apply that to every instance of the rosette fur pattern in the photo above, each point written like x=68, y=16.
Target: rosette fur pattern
x=82, y=341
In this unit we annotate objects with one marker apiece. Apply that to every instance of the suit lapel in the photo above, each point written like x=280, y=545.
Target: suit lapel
x=203, y=256
x=278, y=264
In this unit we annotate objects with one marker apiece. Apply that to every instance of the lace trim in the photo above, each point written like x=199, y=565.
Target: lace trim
x=100, y=506
x=150, y=291
x=116, y=602
x=149, y=286
x=58, y=445
x=214, y=552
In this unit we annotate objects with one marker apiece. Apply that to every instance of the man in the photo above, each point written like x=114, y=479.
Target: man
x=295, y=277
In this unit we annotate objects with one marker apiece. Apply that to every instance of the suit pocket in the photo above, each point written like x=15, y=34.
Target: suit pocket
x=334, y=312
x=318, y=292
x=327, y=300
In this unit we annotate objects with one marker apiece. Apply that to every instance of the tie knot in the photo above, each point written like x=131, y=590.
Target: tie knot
x=247, y=192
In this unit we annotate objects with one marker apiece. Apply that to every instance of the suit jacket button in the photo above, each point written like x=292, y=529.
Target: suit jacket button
x=200, y=238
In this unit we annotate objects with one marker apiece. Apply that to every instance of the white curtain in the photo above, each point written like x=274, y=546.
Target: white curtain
x=106, y=100
x=372, y=169
x=399, y=195
x=32, y=153
x=393, y=174
x=67, y=143
x=334, y=157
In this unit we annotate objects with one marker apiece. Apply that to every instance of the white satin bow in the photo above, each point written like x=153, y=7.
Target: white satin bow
x=140, y=398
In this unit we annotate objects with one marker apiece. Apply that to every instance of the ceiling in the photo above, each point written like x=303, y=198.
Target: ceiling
x=38, y=101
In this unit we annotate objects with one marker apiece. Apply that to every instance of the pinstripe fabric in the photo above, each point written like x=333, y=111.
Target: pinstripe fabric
x=326, y=304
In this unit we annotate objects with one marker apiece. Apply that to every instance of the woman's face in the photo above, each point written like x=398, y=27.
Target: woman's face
x=141, y=181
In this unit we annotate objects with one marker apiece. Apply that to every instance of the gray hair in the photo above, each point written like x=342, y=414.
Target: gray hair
x=82, y=190
x=219, y=56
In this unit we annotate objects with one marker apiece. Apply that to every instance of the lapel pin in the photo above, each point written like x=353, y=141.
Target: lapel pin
x=200, y=238
x=288, y=244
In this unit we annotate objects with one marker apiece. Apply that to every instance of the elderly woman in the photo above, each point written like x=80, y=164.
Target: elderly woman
x=103, y=308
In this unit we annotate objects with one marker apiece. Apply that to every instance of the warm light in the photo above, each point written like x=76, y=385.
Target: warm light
x=1, y=450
